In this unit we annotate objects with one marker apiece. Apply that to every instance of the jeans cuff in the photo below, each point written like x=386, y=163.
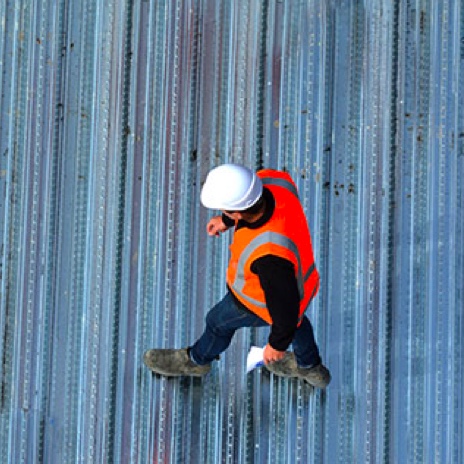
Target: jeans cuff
x=310, y=366
x=307, y=367
x=190, y=355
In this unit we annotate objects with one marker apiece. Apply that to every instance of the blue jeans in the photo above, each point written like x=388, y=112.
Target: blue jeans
x=227, y=316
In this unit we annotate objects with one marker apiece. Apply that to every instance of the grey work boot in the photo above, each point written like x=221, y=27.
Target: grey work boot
x=286, y=367
x=317, y=376
x=173, y=363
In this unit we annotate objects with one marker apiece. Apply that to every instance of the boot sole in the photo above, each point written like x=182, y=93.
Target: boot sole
x=194, y=371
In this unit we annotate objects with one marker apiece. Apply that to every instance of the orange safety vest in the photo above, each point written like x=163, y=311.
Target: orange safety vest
x=286, y=235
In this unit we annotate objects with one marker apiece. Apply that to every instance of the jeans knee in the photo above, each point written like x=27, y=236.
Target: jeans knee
x=210, y=319
x=216, y=325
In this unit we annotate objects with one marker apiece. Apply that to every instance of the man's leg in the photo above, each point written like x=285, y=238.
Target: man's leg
x=221, y=323
x=305, y=362
x=304, y=345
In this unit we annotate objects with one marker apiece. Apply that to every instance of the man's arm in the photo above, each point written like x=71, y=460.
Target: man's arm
x=229, y=222
x=278, y=281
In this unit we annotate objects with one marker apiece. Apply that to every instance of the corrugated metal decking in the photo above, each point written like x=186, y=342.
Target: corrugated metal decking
x=112, y=113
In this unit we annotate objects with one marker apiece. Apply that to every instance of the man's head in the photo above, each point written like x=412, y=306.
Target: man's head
x=250, y=214
x=233, y=189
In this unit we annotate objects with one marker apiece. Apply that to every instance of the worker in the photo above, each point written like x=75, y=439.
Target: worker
x=271, y=277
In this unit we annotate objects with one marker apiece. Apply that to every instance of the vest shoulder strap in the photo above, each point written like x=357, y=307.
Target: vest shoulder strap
x=268, y=179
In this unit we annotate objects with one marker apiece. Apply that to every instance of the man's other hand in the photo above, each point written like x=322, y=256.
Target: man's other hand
x=271, y=355
x=215, y=226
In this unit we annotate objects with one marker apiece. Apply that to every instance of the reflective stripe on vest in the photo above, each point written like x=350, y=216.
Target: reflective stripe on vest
x=262, y=239
x=280, y=183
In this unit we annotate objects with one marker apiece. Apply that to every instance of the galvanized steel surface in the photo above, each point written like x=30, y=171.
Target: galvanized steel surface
x=113, y=112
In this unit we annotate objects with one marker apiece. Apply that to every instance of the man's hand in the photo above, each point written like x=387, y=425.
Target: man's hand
x=271, y=355
x=215, y=226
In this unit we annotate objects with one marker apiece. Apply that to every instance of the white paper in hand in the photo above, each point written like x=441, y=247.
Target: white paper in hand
x=255, y=358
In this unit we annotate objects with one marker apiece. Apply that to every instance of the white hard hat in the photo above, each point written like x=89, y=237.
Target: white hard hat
x=231, y=187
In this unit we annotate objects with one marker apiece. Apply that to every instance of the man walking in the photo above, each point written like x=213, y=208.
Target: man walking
x=271, y=277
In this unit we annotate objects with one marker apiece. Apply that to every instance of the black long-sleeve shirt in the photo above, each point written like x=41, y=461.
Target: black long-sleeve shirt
x=277, y=278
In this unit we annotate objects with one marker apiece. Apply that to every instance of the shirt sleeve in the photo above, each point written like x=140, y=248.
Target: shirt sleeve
x=278, y=281
x=227, y=220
